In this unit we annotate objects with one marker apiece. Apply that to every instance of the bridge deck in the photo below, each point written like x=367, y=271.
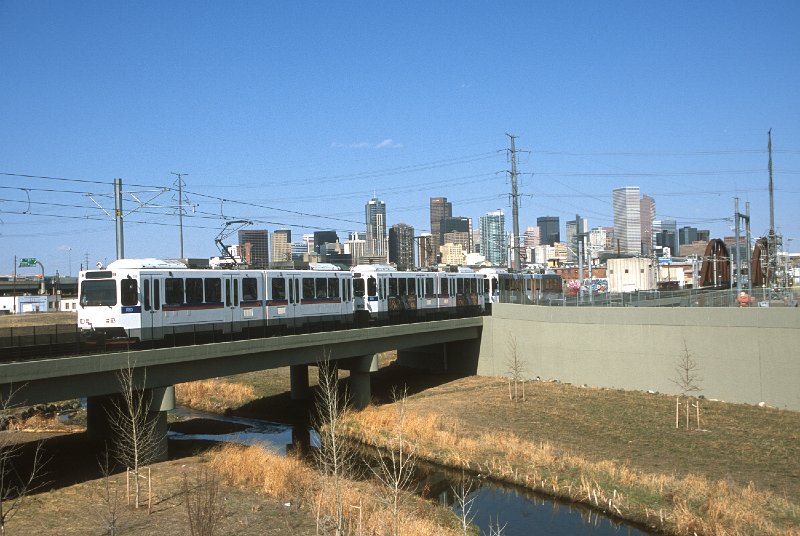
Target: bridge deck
x=48, y=380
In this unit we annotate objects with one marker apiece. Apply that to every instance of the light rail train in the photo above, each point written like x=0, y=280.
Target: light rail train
x=523, y=287
x=134, y=300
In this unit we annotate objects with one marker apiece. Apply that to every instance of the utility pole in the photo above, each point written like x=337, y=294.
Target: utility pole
x=179, y=182
x=772, y=242
x=749, y=253
x=118, y=218
x=516, y=263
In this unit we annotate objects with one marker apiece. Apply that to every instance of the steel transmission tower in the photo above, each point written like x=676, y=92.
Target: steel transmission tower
x=516, y=261
x=179, y=184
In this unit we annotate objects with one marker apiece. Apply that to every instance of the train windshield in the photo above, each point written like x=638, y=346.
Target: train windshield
x=99, y=293
x=358, y=288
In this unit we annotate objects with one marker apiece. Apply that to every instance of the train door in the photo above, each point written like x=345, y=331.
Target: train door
x=152, y=319
x=232, y=297
x=383, y=297
x=293, y=300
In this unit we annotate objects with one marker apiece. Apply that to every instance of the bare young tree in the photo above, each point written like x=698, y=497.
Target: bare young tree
x=687, y=378
x=17, y=479
x=396, y=463
x=463, y=503
x=203, y=503
x=516, y=371
x=136, y=439
x=335, y=456
x=108, y=495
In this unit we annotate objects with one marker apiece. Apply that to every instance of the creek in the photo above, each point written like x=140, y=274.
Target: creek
x=519, y=511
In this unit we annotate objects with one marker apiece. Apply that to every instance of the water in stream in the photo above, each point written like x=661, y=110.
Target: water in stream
x=522, y=513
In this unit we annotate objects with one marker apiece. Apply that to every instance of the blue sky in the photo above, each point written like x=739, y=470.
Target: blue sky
x=296, y=113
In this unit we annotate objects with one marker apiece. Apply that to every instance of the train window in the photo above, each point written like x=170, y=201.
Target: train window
x=194, y=290
x=372, y=286
x=156, y=294
x=358, y=288
x=129, y=289
x=333, y=287
x=460, y=285
x=429, y=286
x=146, y=292
x=227, y=292
x=235, y=292
x=321, y=286
x=308, y=288
x=402, y=287
x=173, y=291
x=213, y=290
x=249, y=289
x=279, y=289
x=393, y=287
x=99, y=293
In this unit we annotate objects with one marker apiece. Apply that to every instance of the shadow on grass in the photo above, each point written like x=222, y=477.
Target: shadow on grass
x=72, y=458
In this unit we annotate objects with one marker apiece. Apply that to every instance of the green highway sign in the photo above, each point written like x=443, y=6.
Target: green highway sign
x=27, y=263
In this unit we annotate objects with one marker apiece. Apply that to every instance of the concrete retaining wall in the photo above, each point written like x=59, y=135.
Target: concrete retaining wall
x=744, y=355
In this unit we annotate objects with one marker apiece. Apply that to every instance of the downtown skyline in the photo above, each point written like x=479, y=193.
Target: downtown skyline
x=402, y=103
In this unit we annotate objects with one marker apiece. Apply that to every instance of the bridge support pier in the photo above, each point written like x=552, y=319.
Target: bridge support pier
x=360, y=387
x=298, y=378
x=100, y=410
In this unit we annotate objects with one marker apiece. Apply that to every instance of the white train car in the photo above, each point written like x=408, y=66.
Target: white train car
x=460, y=293
x=154, y=300
x=492, y=283
x=522, y=287
x=371, y=293
x=385, y=295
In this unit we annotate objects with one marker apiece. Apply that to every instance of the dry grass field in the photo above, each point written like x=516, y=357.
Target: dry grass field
x=615, y=450
x=38, y=319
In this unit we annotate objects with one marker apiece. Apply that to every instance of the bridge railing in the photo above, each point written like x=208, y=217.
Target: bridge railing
x=47, y=339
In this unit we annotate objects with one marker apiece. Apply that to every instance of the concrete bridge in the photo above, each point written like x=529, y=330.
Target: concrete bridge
x=450, y=344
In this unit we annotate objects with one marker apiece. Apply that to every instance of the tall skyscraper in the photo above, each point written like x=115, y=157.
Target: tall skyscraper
x=255, y=247
x=647, y=215
x=440, y=209
x=456, y=230
x=627, y=219
x=356, y=246
x=493, y=238
x=281, y=246
x=324, y=237
x=426, y=255
x=666, y=235
x=549, y=229
x=573, y=227
x=687, y=235
x=401, y=246
x=375, y=211
x=531, y=237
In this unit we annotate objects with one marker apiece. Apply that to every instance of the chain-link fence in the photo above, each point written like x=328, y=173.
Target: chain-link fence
x=760, y=297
